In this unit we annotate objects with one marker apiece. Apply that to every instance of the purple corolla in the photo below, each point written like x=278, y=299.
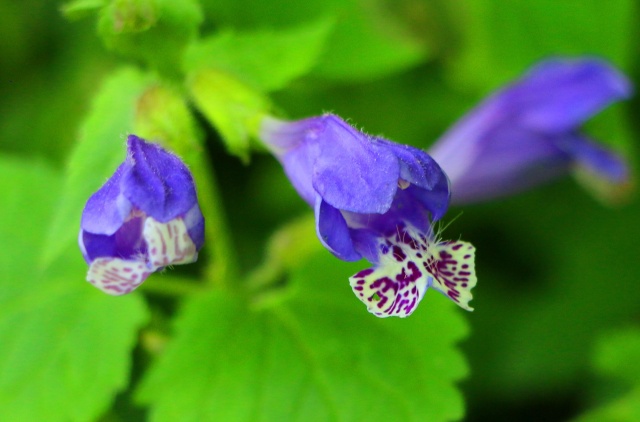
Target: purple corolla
x=528, y=133
x=145, y=217
x=378, y=200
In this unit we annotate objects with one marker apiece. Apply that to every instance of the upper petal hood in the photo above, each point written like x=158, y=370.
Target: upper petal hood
x=352, y=171
x=158, y=183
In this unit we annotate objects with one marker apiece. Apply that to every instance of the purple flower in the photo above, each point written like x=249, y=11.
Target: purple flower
x=528, y=133
x=145, y=217
x=378, y=200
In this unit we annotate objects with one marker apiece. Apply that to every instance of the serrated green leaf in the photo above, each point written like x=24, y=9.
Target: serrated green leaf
x=99, y=151
x=234, y=108
x=310, y=353
x=370, y=39
x=65, y=346
x=154, y=31
x=501, y=39
x=266, y=59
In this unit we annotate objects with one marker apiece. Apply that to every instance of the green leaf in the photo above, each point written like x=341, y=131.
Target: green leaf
x=29, y=193
x=99, y=151
x=616, y=356
x=154, y=31
x=80, y=8
x=234, y=108
x=65, y=346
x=308, y=352
x=266, y=59
x=625, y=409
x=370, y=41
x=501, y=39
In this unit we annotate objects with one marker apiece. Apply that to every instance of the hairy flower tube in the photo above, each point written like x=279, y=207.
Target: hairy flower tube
x=145, y=217
x=528, y=132
x=378, y=200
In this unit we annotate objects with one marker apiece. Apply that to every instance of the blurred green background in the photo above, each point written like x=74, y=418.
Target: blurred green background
x=556, y=327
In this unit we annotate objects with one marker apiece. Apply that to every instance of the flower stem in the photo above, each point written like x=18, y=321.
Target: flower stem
x=162, y=114
x=166, y=285
x=223, y=263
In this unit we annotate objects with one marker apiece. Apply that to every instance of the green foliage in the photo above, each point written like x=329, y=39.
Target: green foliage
x=371, y=39
x=234, y=108
x=617, y=357
x=290, y=53
x=80, y=8
x=308, y=352
x=228, y=78
x=135, y=28
x=65, y=349
x=501, y=39
x=285, y=339
x=370, y=42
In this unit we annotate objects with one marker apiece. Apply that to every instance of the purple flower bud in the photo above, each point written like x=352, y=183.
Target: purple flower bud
x=145, y=217
x=378, y=200
x=527, y=133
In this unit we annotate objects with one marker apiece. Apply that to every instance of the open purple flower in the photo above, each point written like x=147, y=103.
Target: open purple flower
x=527, y=133
x=378, y=200
x=145, y=217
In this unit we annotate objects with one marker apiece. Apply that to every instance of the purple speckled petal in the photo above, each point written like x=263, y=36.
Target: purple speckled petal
x=158, y=183
x=333, y=232
x=353, y=172
x=452, y=265
x=168, y=243
x=117, y=276
x=107, y=209
x=409, y=263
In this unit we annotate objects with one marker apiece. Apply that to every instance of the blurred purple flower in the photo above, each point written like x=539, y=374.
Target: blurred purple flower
x=378, y=200
x=145, y=217
x=527, y=133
